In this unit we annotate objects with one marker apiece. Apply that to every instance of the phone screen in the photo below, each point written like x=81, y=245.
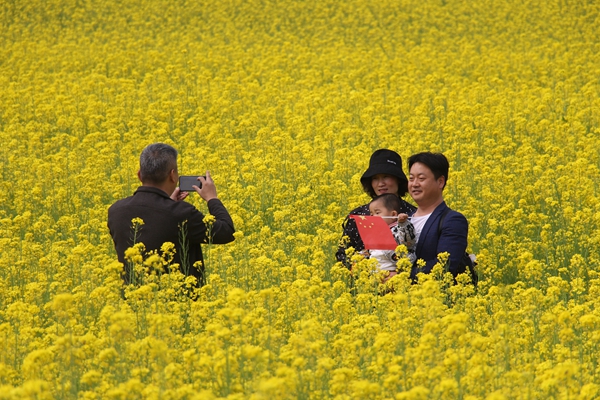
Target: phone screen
x=186, y=182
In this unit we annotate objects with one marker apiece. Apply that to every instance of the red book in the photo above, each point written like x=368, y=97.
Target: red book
x=374, y=232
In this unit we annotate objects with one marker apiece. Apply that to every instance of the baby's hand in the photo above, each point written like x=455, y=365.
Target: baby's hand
x=402, y=218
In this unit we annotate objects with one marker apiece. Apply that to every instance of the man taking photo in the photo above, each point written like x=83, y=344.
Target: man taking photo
x=158, y=202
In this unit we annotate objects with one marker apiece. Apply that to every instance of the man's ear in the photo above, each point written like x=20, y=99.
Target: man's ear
x=173, y=176
x=442, y=182
x=139, y=175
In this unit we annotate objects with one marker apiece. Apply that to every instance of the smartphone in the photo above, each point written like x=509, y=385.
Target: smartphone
x=186, y=182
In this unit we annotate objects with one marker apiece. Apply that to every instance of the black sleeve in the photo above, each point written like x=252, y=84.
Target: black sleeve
x=222, y=228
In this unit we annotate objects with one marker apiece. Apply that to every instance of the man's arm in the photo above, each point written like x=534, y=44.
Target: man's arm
x=222, y=229
x=453, y=239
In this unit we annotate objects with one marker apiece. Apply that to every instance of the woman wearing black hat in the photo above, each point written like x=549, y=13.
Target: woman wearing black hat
x=384, y=175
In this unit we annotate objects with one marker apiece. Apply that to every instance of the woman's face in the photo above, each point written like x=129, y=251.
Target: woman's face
x=383, y=183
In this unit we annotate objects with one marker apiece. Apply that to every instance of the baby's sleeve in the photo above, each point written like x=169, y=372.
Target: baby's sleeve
x=406, y=234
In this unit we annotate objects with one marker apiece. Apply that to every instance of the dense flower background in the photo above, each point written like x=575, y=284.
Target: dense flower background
x=284, y=101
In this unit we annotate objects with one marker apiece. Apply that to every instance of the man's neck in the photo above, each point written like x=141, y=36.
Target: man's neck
x=163, y=187
x=428, y=208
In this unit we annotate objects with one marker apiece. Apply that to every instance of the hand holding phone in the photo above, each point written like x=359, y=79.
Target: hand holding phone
x=187, y=181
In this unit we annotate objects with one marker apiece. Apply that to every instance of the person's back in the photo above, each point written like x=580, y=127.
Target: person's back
x=167, y=218
x=164, y=220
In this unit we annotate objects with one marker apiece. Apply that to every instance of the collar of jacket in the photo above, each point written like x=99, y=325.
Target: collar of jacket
x=152, y=189
x=431, y=221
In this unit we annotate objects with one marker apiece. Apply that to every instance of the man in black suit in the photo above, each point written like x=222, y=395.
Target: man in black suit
x=166, y=218
x=438, y=228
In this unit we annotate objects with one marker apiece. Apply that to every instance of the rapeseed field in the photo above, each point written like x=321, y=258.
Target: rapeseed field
x=284, y=101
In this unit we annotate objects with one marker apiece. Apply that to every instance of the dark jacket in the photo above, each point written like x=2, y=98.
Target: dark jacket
x=452, y=239
x=163, y=219
x=351, y=231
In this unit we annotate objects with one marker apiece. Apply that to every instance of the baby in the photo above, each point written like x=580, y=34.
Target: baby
x=388, y=207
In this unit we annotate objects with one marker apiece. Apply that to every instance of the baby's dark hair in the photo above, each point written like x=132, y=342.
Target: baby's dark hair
x=390, y=201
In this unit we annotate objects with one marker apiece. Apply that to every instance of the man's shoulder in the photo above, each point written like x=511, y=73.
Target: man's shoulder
x=120, y=203
x=450, y=214
x=450, y=220
x=148, y=197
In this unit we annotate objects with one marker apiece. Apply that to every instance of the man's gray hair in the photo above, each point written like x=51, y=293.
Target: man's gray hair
x=156, y=161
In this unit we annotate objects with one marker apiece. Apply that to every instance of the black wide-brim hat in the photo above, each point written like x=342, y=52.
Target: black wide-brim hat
x=384, y=161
